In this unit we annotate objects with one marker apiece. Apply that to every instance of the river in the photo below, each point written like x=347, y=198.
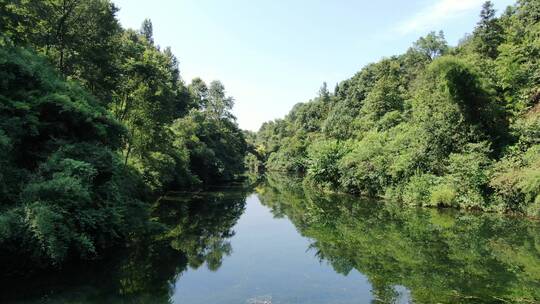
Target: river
x=283, y=243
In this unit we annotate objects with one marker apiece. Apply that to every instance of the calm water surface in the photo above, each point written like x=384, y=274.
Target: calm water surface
x=282, y=243
x=270, y=260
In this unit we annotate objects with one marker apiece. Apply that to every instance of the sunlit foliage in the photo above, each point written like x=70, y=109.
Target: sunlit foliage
x=436, y=126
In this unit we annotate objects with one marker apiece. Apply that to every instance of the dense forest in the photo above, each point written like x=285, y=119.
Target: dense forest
x=436, y=126
x=95, y=121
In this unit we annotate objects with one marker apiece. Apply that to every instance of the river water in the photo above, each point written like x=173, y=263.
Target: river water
x=270, y=260
x=283, y=243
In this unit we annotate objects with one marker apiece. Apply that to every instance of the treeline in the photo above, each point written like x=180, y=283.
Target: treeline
x=94, y=120
x=436, y=126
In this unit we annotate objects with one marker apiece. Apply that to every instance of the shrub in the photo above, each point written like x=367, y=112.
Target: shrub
x=443, y=195
x=364, y=169
x=516, y=181
x=418, y=190
x=468, y=172
x=322, y=162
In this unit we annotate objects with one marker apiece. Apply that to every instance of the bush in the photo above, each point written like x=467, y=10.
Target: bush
x=291, y=158
x=364, y=169
x=468, y=172
x=434, y=126
x=418, y=190
x=443, y=195
x=213, y=148
x=323, y=159
x=516, y=181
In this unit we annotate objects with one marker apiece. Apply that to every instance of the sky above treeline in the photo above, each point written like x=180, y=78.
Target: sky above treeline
x=271, y=55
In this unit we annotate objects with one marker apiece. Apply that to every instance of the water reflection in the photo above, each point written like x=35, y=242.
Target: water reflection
x=416, y=255
x=191, y=230
x=370, y=252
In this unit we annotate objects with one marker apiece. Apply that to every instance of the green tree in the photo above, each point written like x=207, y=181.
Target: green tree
x=432, y=45
x=147, y=31
x=79, y=37
x=69, y=196
x=488, y=32
x=219, y=105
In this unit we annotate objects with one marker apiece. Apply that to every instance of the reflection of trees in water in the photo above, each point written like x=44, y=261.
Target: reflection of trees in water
x=440, y=256
x=190, y=230
x=201, y=224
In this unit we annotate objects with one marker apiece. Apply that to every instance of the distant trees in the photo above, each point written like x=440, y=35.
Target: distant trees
x=324, y=94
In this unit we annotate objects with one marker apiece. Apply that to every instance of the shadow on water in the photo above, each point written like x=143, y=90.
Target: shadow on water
x=191, y=230
x=439, y=256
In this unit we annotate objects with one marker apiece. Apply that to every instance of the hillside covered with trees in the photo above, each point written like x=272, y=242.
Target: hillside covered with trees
x=95, y=120
x=436, y=126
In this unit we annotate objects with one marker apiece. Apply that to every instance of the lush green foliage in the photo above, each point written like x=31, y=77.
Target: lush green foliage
x=436, y=126
x=93, y=119
x=65, y=190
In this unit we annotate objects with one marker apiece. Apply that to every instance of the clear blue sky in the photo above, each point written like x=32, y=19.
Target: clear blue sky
x=271, y=55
